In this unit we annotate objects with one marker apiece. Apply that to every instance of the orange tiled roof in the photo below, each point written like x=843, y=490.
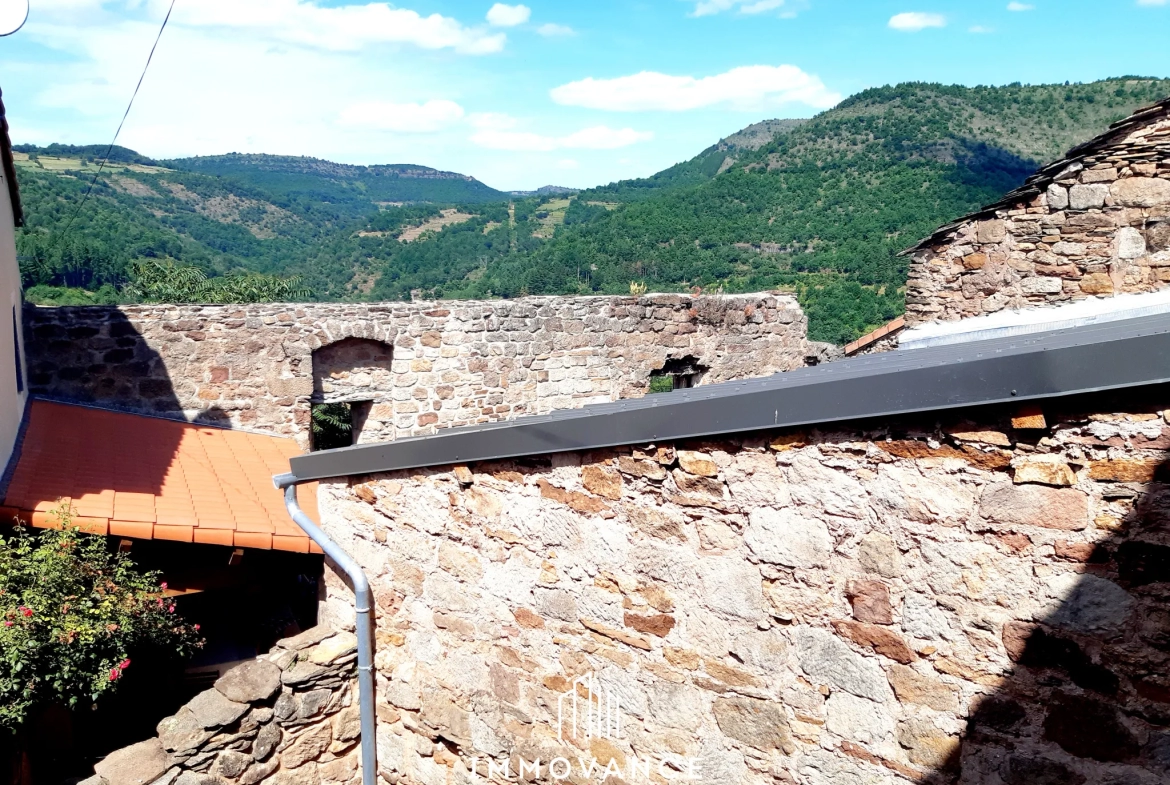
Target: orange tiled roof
x=126, y=475
x=888, y=328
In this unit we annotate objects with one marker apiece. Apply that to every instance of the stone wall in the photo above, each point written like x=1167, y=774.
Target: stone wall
x=289, y=718
x=418, y=366
x=1100, y=226
x=981, y=600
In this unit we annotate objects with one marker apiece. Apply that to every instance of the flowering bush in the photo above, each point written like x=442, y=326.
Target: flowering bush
x=70, y=612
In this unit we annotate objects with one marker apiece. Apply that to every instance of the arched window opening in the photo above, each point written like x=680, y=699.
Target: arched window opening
x=349, y=377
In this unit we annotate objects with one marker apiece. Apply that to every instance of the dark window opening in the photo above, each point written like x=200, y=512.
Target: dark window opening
x=358, y=412
x=677, y=374
x=16, y=352
x=332, y=425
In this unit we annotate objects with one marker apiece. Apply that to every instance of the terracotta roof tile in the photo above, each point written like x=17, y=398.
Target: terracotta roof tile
x=214, y=536
x=147, y=478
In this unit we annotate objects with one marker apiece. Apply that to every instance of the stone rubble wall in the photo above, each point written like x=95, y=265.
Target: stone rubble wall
x=288, y=718
x=454, y=362
x=1101, y=228
x=977, y=600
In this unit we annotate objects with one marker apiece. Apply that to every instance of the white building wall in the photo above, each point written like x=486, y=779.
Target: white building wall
x=13, y=382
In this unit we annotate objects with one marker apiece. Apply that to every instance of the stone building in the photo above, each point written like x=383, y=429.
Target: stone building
x=1093, y=224
x=925, y=594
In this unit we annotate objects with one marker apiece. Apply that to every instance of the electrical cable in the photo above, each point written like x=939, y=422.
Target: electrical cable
x=110, y=149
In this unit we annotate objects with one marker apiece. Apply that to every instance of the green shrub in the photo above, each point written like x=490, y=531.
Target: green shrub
x=71, y=612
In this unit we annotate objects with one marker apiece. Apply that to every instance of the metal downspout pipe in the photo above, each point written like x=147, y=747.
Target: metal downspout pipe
x=363, y=602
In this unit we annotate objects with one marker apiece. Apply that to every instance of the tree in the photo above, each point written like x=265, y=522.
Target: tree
x=71, y=613
x=332, y=425
x=164, y=281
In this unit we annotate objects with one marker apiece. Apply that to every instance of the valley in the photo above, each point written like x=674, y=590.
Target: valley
x=820, y=207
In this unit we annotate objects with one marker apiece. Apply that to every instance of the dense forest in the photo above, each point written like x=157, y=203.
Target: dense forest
x=820, y=207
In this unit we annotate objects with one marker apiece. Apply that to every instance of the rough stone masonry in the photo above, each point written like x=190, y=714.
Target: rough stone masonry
x=288, y=718
x=412, y=367
x=1094, y=224
x=980, y=598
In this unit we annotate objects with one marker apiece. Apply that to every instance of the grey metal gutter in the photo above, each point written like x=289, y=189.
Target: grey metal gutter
x=363, y=603
x=1114, y=355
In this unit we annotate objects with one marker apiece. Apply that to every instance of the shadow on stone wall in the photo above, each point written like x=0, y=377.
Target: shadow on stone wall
x=111, y=367
x=1089, y=690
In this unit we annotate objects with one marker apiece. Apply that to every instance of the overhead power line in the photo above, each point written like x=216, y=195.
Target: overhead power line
x=110, y=149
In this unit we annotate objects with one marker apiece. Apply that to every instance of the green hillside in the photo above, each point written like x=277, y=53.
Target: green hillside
x=310, y=180
x=825, y=207
x=714, y=160
x=820, y=207
x=223, y=215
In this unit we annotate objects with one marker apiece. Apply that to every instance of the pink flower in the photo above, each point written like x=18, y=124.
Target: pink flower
x=114, y=674
x=26, y=612
x=7, y=623
x=160, y=602
x=164, y=586
x=124, y=665
x=171, y=609
x=196, y=627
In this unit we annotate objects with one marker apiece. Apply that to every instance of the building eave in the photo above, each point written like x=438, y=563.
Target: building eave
x=9, y=168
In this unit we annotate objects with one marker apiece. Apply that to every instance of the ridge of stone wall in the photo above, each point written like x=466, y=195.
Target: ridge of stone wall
x=453, y=362
x=288, y=718
x=979, y=600
x=1101, y=228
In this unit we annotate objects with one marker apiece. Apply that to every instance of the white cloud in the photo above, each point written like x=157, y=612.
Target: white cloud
x=551, y=30
x=596, y=138
x=500, y=15
x=340, y=28
x=411, y=118
x=749, y=88
x=980, y=29
x=1015, y=6
x=80, y=96
x=602, y=137
x=913, y=21
x=494, y=120
x=712, y=7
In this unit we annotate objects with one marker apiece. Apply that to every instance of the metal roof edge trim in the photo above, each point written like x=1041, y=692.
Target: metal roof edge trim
x=893, y=384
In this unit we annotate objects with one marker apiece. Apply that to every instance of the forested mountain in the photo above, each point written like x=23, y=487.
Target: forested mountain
x=311, y=180
x=820, y=207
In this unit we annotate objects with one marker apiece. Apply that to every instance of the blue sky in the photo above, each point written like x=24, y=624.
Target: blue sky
x=521, y=95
